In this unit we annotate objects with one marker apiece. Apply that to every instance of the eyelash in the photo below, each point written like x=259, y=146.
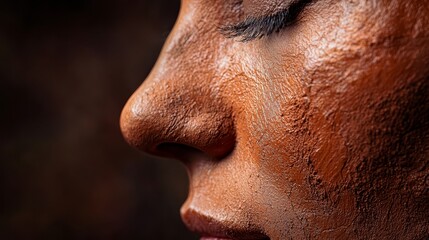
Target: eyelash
x=257, y=27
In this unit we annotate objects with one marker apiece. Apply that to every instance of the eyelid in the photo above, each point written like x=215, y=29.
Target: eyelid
x=257, y=27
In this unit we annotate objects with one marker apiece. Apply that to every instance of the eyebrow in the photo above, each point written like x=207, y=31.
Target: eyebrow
x=257, y=27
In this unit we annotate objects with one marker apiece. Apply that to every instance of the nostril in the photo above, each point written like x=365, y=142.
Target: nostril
x=182, y=152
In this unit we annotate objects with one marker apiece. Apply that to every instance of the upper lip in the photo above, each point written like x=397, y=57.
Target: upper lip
x=207, y=226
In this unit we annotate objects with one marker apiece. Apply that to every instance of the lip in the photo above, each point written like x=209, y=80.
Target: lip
x=210, y=228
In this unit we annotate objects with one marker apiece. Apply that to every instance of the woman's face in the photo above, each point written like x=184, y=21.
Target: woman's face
x=307, y=123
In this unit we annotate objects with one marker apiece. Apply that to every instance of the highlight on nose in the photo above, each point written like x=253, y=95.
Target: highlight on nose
x=160, y=126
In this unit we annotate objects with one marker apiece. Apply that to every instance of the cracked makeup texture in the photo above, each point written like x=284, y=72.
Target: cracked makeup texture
x=318, y=131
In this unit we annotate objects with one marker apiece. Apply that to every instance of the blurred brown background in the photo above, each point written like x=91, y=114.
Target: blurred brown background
x=66, y=70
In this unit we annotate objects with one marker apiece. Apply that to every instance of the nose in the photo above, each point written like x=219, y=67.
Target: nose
x=170, y=120
x=179, y=108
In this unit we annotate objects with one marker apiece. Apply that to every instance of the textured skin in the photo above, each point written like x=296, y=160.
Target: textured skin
x=317, y=132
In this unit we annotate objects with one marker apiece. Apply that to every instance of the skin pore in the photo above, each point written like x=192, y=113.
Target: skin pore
x=318, y=130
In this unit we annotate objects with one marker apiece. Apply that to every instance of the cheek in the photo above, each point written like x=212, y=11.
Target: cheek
x=298, y=139
x=272, y=130
x=363, y=85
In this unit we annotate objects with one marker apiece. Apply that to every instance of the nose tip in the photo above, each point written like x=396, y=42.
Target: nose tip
x=170, y=125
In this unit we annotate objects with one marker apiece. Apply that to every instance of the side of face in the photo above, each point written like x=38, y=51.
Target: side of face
x=318, y=131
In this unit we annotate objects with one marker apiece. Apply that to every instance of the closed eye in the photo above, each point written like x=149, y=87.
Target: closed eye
x=257, y=27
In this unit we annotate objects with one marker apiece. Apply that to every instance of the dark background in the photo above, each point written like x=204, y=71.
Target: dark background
x=66, y=70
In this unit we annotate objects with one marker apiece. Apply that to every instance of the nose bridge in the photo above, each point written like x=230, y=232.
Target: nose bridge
x=178, y=102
